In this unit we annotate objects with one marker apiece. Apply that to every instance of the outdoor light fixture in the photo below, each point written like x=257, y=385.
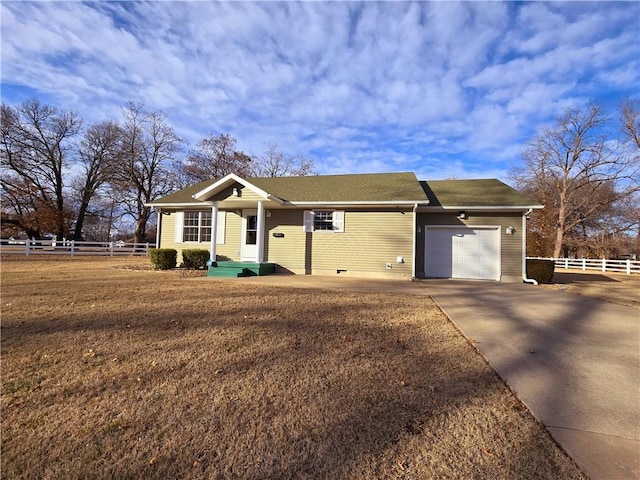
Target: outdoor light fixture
x=462, y=214
x=510, y=230
x=236, y=192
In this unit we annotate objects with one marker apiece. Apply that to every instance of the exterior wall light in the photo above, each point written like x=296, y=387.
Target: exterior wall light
x=510, y=230
x=462, y=214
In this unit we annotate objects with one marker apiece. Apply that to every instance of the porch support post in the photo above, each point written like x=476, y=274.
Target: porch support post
x=214, y=231
x=158, y=227
x=260, y=233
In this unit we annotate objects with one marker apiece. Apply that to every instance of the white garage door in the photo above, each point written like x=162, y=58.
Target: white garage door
x=461, y=252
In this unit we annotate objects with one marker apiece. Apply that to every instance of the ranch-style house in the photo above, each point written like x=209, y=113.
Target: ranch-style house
x=387, y=225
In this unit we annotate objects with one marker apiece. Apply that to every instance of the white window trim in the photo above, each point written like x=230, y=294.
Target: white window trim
x=220, y=232
x=179, y=227
x=308, y=221
x=337, y=221
x=221, y=229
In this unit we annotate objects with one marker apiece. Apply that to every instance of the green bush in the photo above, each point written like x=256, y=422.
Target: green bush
x=540, y=270
x=163, y=258
x=195, y=258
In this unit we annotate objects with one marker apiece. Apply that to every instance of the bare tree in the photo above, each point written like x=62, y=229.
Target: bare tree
x=99, y=152
x=214, y=157
x=630, y=120
x=143, y=173
x=274, y=163
x=23, y=210
x=576, y=171
x=36, y=152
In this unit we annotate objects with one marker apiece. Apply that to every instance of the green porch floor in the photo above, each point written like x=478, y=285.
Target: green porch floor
x=241, y=269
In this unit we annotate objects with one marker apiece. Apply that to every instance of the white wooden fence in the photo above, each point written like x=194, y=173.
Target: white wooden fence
x=71, y=247
x=602, y=265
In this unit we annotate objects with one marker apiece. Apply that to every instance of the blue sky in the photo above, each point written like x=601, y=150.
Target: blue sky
x=444, y=89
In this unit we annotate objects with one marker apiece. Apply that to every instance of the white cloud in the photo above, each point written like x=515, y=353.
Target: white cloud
x=363, y=85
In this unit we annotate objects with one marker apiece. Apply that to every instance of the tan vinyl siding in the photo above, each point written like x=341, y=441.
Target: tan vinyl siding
x=231, y=248
x=511, y=245
x=246, y=195
x=288, y=251
x=371, y=240
x=167, y=233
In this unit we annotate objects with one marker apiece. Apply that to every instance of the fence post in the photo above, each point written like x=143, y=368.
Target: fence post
x=584, y=264
x=111, y=249
x=146, y=249
x=628, y=266
x=73, y=245
x=604, y=265
x=566, y=263
x=26, y=247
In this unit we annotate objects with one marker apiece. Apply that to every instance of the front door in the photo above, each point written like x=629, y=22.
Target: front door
x=249, y=249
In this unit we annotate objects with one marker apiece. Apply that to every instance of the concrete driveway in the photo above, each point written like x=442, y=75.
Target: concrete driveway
x=574, y=361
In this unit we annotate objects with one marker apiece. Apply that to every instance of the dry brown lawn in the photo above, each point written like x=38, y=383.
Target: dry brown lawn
x=612, y=287
x=119, y=373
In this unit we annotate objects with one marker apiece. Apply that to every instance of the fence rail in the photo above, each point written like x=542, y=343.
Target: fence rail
x=71, y=247
x=602, y=265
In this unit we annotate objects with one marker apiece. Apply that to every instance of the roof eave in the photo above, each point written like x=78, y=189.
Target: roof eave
x=178, y=204
x=230, y=180
x=409, y=203
x=484, y=207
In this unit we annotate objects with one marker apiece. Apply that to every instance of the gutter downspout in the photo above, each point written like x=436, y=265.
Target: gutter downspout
x=524, y=249
x=415, y=239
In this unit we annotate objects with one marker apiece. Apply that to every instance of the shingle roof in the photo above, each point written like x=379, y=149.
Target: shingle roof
x=372, y=187
x=376, y=187
x=185, y=195
x=474, y=193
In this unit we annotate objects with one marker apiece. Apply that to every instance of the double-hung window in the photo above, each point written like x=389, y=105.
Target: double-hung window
x=197, y=226
x=324, y=220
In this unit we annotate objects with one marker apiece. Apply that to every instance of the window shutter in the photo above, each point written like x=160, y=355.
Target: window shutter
x=338, y=221
x=221, y=228
x=309, y=217
x=179, y=227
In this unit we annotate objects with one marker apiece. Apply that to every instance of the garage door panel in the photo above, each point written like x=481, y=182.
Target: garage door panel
x=462, y=252
x=440, y=263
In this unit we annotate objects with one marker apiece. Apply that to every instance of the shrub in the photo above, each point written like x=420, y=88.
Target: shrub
x=163, y=258
x=540, y=270
x=195, y=258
